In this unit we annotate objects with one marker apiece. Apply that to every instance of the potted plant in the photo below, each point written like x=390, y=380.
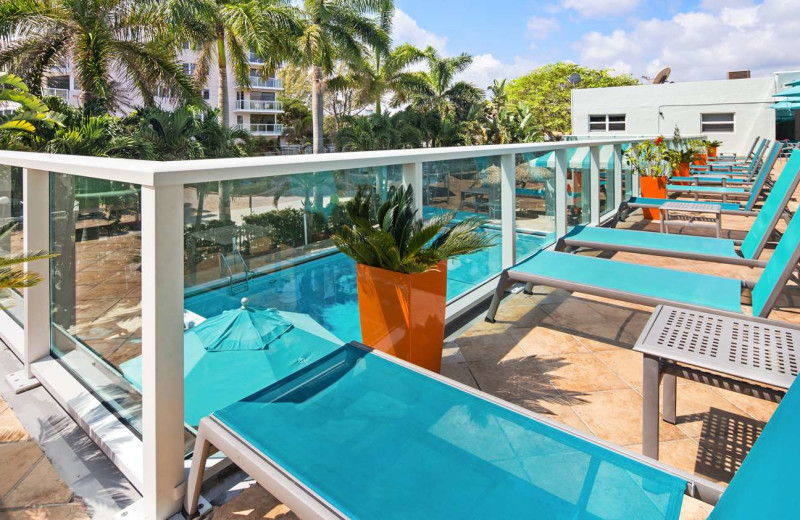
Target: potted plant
x=711, y=147
x=701, y=157
x=649, y=161
x=401, y=271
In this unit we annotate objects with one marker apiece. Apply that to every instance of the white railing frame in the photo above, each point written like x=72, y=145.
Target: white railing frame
x=162, y=260
x=255, y=104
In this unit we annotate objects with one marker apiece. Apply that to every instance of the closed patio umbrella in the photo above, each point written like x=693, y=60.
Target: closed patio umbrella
x=214, y=379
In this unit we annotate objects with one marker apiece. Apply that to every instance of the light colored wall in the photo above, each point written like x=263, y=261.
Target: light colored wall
x=657, y=109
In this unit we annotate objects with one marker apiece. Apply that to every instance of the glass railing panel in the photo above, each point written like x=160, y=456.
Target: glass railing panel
x=535, y=202
x=96, y=287
x=627, y=175
x=12, y=242
x=607, y=182
x=579, y=185
x=470, y=188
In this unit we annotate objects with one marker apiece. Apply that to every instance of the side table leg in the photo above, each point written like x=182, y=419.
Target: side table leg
x=651, y=374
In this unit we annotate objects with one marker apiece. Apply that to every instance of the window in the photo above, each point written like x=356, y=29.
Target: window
x=717, y=123
x=239, y=120
x=188, y=68
x=607, y=123
x=206, y=94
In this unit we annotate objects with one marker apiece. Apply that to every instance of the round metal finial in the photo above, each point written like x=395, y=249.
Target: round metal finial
x=574, y=79
x=245, y=301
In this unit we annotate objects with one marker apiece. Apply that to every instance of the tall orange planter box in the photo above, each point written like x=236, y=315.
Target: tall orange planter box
x=681, y=171
x=712, y=152
x=655, y=188
x=700, y=160
x=403, y=314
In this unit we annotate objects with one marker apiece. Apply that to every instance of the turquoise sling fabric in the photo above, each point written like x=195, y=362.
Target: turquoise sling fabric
x=646, y=201
x=765, y=486
x=656, y=241
x=784, y=256
x=379, y=441
x=245, y=328
x=772, y=208
x=763, y=173
x=707, y=189
x=664, y=284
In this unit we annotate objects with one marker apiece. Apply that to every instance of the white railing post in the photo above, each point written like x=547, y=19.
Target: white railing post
x=561, y=193
x=162, y=350
x=412, y=176
x=594, y=188
x=508, y=207
x=36, y=237
x=618, y=193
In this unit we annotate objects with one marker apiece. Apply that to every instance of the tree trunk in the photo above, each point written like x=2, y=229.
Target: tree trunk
x=378, y=106
x=317, y=93
x=224, y=116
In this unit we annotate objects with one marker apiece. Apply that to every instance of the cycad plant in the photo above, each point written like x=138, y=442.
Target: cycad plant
x=12, y=275
x=392, y=237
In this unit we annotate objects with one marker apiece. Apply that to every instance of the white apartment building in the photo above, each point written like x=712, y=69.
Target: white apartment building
x=255, y=109
x=732, y=111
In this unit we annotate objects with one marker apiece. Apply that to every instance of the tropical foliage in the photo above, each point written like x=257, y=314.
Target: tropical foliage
x=547, y=92
x=114, y=46
x=649, y=158
x=12, y=274
x=31, y=109
x=393, y=237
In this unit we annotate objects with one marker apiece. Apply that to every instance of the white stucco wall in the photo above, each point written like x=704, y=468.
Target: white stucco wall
x=657, y=109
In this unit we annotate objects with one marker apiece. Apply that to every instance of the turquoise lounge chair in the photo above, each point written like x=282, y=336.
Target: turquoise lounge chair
x=361, y=435
x=654, y=286
x=735, y=165
x=695, y=247
x=728, y=208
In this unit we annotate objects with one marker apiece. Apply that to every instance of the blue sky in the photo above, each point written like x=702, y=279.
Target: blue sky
x=698, y=39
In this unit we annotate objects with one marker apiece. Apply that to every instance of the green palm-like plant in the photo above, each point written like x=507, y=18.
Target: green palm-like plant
x=394, y=238
x=336, y=30
x=113, y=45
x=227, y=31
x=12, y=275
x=437, y=89
x=31, y=109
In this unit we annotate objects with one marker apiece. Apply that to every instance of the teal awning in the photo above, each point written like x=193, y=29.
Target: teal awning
x=786, y=105
x=794, y=84
x=791, y=92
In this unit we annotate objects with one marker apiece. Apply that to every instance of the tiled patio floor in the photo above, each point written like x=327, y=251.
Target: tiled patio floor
x=30, y=489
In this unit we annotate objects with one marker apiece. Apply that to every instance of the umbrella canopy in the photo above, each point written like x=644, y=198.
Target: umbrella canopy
x=245, y=328
x=786, y=105
x=215, y=379
x=790, y=92
x=579, y=158
x=794, y=83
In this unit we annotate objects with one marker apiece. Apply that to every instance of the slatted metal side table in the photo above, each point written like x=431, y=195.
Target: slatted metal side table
x=751, y=356
x=713, y=222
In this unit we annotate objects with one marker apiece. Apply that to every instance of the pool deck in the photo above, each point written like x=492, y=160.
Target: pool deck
x=568, y=356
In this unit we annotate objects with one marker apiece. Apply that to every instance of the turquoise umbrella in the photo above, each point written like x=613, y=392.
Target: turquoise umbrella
x=786, y=105
x=245, y=328
x=794, y=91
x=214, y=379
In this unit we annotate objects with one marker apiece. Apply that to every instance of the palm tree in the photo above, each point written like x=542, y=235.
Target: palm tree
x=31, y=109
x=438, y=90
x=228, y=30
x=12, y=276
x=112, y=45
x=336, y=30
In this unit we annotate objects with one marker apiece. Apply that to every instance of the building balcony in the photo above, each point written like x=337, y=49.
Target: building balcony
x=258, y=83
x=264, y=129
x=62, y=93
x=252, y=58
x=250, y=105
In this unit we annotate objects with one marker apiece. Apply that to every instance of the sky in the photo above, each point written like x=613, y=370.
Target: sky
x=697, y=39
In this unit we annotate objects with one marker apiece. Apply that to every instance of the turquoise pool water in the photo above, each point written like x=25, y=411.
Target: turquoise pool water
x=325, y=288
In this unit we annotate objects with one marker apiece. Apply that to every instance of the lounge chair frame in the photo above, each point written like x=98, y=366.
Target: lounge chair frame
x=212, y=435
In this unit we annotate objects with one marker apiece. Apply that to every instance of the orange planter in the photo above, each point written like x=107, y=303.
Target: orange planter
x=653, y=188
x=701, y=159
x=712, y=152
x=403, y=314
x=681, y=171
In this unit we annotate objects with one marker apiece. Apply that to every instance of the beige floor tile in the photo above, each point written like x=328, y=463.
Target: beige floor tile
x=459, y=372
x=759, y=409
x=544, y=341
x=490, y=348
x=697, y=405
x=253, y=503
x=10, y=428
x=60, y=512
x=41, y=486
x=617, y=417
x=694, y=509
x=16, y=460
x=579, y=373
x=627, y=364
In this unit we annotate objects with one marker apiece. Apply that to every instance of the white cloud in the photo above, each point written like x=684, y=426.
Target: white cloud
x=540, y=27
x=702, y=44
x=600, y=8
x=406, y=30
x=486, y=68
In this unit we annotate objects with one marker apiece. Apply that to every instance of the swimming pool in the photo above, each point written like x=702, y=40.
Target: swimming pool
x=325, y=288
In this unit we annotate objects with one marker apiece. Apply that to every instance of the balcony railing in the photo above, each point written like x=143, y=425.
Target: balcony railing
x=270, y=83
x=63, y=93
x=259, y=105
x=159, y=228
x=252, y=58
x=266, y=129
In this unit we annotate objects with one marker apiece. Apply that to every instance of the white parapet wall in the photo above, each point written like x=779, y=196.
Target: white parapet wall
x=658, y=109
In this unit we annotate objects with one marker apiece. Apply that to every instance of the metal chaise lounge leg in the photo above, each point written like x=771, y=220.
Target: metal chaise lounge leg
x=502, y=284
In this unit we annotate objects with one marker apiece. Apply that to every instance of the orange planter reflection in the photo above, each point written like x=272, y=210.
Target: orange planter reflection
x=701, y=159
x=712, y=152
x=403, y=314
x=655, y=188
